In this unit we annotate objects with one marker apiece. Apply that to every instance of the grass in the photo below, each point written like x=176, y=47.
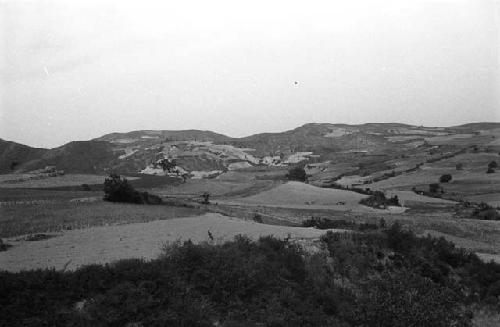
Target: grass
x=61, y=215
x=7, y=181
x=73, y=182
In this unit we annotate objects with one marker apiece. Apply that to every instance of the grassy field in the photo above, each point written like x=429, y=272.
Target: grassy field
x=34, y=181
x=469, y=183
x=56, y=214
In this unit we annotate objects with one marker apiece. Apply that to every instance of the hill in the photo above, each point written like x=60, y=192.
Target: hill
x=14, y=154
x=76, y=157
x=359, y=149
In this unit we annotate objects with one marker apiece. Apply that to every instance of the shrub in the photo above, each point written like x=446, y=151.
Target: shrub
x=493, y=164
x=490, y=171
x=4, y=246
x=403, y=299
x=297, y=174
x=390, y=278
x=205, y=198
x=434, y=188
x=486, y=212
x=258, y=218
x=445, y=178
x=378, y=200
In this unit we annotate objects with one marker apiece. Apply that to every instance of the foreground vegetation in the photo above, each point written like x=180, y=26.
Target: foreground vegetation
x=376, y=278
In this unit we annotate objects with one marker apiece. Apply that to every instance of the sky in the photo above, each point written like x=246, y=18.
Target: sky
x=75, y=70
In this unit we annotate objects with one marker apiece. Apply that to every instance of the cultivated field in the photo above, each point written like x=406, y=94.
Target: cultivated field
x=37, y=181
x=36, y=212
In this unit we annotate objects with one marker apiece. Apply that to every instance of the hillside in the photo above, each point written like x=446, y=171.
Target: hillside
x=76, y=157
x=13, y=154
x=340, y=148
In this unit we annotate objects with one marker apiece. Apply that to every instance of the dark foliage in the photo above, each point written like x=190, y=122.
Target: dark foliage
x=379, y=201
x=435, y=188
x=205, y=198
x=486, y=212
x=390, y=278
x=118, y=189
x=490, y=171
x=4, y=246
x=297, y=174
x=445, y=178
x=493, y=164
x=38, y=237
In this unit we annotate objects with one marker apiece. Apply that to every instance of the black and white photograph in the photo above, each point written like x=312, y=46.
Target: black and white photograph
x=225, y=163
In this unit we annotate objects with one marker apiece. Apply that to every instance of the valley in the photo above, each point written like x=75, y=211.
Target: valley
x=61, y=189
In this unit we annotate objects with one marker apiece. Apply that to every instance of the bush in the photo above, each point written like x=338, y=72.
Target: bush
x=4, y=246
x=493, y=164
x=490, y=171
x=435, y=188
x=379, y=201
x=445, y=178
x=297, y=174
x=268, y=282
x=118, y=189
x=486, y=212
x=257, y=218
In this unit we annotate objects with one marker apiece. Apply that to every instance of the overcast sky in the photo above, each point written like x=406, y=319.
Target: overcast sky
x=74, y=70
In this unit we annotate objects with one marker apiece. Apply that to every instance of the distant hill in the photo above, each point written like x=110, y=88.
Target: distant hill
x=77, y=157
x=13, y=154
x=148, y=136
x=317, y=138
x=479, y=126
x=206, y=151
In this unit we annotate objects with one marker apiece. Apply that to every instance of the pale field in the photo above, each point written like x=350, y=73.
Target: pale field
x=72, y=249
x=215, y=187
x=301, y=193
x=297, y=195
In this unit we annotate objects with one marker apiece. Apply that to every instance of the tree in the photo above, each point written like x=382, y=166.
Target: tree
x=445, y=178
x=118, y=189
x=167, y=164
x=206, y=198
x=297, y=174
